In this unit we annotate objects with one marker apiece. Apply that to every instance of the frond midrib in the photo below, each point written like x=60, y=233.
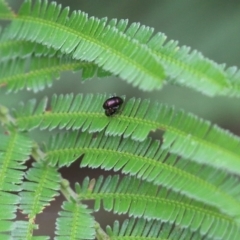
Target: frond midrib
x=75, y=218
x=6, y=16
x=177, y=171
x=30, y=228
x=7, y=159
x=87, y=38
x=136, y=196
x=186, y=67
x=37, y=193
x=36, y=72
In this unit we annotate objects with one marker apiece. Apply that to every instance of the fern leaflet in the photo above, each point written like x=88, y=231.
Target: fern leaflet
x=65, y=148
x=15, y=149
x=75, y=222
x=22, y=230
x=146, y=160
x=132, y=229
x=12, y=48
x=142, y=199
x=183, y=66
x=185, y=134
x=36, y=73
x=88, y=39
x=42, y=185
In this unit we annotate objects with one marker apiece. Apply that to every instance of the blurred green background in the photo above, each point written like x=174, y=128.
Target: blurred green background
x=210, y=26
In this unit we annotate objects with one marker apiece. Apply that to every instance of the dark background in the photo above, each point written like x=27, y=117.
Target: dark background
x=212, y=27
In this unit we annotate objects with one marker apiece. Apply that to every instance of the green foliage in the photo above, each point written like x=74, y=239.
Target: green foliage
x=23, y=230
x=75, y=222
x=87, y=39
x=39, y=190
x=184, y=185
x=145, y=160
x=142, y=199
x=132, y=229
x=14, y=151
x=37, y=73
x=185, y=134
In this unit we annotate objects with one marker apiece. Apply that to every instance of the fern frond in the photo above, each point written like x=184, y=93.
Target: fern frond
x=88, y=39
x=75, y=222
x=133, y=229
x=8, y=202
x=12, y=48
x=22, y=230
x=63, y=149
x=190, y=68
x=21, y=69
x=6, y=12
x=15, y=149
x=143, y=199
x=146, y=160
x=183, y=66
x=185, y=134
x=42, y=185
x=37, y=72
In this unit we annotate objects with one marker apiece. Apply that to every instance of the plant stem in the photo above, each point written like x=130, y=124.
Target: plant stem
x=67, y=191
x=69, y=194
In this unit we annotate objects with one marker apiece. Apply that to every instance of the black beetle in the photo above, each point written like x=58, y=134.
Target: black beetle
x=112, y=105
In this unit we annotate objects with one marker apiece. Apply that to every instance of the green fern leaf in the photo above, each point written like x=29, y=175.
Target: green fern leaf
x=15, y=149
x=6, y=12
x=146, y=160
x=142, y=199
x=183, y=66
x=42, y=185
x=75, y=222
x=185, y=134
x=36, y=73
x=22, y=230
x=133, y=229
x=11, y=49
x=190, y=68
x=88, y=39
x=8, y=202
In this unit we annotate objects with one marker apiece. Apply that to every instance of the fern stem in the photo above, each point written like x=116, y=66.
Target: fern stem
x=135, y=197
x=5, y=117
x=69, y=194
x=67, y=191
x=100, y=234
x=37, y=154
